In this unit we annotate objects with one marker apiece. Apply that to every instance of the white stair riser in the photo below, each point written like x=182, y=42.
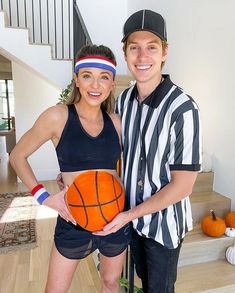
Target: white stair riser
x=202, y=209
x=204, y=251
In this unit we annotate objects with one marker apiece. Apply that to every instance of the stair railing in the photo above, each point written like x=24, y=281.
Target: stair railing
x=80, y=33
x=52, y=22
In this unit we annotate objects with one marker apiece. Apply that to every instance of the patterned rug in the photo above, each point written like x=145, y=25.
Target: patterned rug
x=17, y=221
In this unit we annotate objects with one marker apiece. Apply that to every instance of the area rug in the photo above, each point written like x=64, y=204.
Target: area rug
x=17, y=221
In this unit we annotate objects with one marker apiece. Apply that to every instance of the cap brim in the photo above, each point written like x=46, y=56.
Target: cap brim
x=144, y=30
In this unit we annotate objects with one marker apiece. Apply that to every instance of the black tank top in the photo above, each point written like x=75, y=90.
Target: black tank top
x=77, y=150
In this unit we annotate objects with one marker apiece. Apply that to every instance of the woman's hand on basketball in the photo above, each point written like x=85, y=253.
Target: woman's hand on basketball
x=57, y=203
x=117, y=223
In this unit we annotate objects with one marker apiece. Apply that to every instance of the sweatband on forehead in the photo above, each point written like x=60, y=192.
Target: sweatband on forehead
x=97, y=62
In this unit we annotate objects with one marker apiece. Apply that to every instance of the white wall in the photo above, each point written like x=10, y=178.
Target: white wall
x=32, y=96
x=104, y=20
x=201, y=59
x=201, y=40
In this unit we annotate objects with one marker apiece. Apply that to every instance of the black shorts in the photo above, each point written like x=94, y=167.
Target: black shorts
x=74, y=242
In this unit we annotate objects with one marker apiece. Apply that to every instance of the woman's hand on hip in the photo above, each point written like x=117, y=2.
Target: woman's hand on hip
x=57, y=202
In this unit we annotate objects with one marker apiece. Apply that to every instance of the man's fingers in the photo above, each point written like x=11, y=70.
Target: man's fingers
x=102, y=233
x=108, y=227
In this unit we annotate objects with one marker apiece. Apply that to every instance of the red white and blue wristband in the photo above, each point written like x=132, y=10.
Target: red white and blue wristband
x=40, y=193
x=97, y=62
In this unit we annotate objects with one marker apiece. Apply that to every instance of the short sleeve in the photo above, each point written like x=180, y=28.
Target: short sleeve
x=185, y=142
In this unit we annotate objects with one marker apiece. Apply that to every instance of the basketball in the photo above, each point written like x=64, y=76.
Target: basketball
x=94, y=199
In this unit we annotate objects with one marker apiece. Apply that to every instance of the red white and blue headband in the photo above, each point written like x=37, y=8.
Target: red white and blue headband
x=97, y=62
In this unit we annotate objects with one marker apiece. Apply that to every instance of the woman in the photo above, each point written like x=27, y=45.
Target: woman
x=86, y=135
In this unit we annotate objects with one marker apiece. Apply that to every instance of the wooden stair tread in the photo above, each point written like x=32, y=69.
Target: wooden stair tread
x=206, y=276
x=215, y=276
x=196, y=235
x=207, y=196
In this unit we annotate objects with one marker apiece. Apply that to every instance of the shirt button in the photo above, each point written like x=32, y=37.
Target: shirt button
x=140, y=183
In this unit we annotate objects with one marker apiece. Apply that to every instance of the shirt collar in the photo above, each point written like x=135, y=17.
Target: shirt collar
x=158, y=94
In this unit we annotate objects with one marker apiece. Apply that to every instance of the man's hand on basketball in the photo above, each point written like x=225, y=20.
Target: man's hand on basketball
x=57, y=203
x=117, y=223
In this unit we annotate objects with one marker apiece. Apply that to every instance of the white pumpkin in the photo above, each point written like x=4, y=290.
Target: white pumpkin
x=230, y=254
x=230, y=232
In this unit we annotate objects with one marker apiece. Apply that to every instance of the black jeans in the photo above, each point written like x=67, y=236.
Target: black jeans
x=155, y=264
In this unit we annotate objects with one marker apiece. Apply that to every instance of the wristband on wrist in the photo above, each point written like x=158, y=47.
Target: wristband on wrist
x=40, y=193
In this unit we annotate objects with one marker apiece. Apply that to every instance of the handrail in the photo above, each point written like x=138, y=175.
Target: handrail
x=81, y=35
x=52, y=22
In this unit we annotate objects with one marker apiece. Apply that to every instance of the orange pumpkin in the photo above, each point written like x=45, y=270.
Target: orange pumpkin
x=213, y=226
x=230, y=220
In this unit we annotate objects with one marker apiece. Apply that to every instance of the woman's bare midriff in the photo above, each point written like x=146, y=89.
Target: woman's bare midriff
x=69, y=177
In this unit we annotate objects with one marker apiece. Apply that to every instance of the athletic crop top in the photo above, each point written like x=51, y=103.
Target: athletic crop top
x=77, y=150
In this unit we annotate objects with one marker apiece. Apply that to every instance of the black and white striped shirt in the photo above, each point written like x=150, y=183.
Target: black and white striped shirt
x=159, y=135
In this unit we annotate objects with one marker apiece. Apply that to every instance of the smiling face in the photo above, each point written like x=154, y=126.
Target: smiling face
x=144, y=54
x=94, y=85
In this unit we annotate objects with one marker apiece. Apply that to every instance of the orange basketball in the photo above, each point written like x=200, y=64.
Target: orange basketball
x=94, y=199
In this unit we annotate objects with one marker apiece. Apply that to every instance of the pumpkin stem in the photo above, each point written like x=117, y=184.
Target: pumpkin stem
x=213, y=215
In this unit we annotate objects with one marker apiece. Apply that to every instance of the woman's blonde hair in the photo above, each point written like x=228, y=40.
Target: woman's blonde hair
x=93, y=50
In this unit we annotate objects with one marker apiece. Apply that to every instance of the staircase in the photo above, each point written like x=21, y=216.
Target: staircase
x=44, y=36
x=202, y=263
x=15, y=46
x=122, y=82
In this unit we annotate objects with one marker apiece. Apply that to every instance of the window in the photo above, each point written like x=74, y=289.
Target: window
x=7, y=107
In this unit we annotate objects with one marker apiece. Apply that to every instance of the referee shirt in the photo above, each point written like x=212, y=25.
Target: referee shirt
x=160, y=134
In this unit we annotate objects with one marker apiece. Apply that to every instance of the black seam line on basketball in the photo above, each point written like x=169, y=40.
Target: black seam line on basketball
x=115, y=194
x=83, y=204
x=95, y=205
x=97, y=196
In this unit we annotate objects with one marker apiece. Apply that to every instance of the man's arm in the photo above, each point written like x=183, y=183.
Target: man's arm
x=180, y=186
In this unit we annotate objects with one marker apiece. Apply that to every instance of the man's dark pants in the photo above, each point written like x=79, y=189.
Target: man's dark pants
x=155, y=264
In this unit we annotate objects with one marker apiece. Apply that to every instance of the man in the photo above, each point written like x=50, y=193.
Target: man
x=161, y=156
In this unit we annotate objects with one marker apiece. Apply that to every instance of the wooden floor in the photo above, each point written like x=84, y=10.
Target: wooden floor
x=25, y=271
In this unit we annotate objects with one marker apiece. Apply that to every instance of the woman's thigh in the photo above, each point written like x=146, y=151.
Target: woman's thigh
x=60, y=273
x=111, y=267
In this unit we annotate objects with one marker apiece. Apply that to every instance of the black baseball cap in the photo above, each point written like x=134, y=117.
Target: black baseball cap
x=145, y=20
